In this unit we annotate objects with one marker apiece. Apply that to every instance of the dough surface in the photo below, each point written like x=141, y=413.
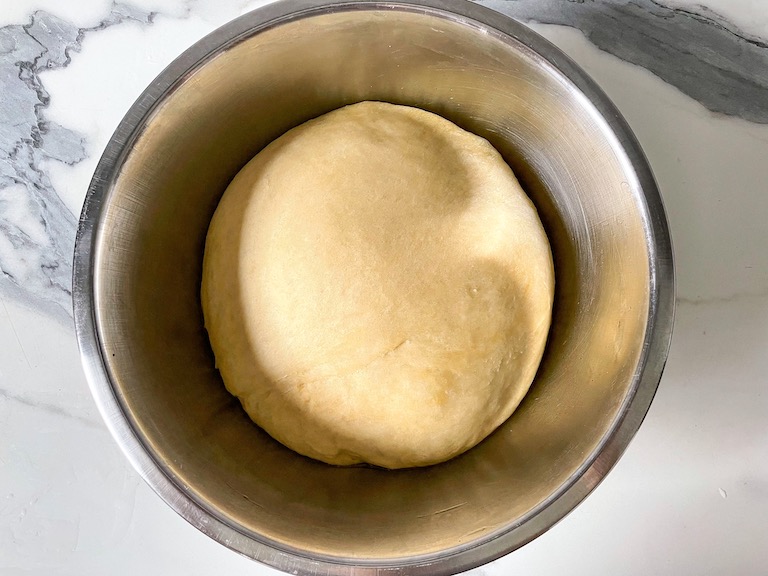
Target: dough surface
x=377, y=288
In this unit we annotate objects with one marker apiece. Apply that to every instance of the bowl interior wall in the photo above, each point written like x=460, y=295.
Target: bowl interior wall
x=149, y=256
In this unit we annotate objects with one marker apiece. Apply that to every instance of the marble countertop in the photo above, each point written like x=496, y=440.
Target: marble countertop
x=690, y=496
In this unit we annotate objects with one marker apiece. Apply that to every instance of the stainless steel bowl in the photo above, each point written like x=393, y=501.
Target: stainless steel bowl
x=138, y=265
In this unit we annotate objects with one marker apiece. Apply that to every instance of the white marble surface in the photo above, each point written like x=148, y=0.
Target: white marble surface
x=689, y=497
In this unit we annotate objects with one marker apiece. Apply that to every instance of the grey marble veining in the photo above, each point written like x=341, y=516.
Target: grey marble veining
x=37, y=230
x=700, y=53
x=49, y=408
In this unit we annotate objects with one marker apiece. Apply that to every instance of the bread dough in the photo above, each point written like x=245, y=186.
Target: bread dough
x=377, y=288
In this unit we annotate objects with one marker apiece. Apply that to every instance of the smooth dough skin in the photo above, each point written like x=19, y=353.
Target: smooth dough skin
x=377, y=288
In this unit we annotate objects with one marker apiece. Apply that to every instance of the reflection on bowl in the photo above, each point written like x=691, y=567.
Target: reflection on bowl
x=138, y=265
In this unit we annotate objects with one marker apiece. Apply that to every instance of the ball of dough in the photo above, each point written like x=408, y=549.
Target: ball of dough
x=377, y=288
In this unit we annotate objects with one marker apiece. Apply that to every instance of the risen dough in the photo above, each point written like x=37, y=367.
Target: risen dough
x=377, y=288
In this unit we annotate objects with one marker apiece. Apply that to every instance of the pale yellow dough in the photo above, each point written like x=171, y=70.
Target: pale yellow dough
x=377, y=288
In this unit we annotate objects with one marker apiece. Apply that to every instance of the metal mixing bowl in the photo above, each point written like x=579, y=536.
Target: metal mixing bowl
x=138, y=268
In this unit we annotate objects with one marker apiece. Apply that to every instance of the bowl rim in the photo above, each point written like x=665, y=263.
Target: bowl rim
x=547, y=513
